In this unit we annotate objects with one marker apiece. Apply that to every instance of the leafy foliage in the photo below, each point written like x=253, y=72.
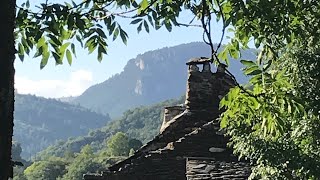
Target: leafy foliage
x=273, y=125
x=270, y=121
x=49, y=169
x=53, y=28
x=83, y=163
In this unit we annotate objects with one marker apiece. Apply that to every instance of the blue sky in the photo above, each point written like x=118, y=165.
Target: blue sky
x=64, y=80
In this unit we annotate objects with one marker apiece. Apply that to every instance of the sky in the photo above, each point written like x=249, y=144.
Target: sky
x=56, y=81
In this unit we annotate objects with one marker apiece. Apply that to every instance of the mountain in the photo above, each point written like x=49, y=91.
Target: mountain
x=40, y=122
x=149, y=78
x=141, y=123
x=67, y=99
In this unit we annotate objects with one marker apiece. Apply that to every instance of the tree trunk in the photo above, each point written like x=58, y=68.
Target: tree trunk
x=7, y=56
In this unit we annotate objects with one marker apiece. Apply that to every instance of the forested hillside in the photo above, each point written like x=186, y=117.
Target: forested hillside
x=149, y=78
x=141, y=123
x=40, y=122
x=98, y=149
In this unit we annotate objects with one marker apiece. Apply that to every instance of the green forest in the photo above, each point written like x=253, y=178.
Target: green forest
x=99, y=149
x=272, y=121
x=73, y=165
x=38, y=121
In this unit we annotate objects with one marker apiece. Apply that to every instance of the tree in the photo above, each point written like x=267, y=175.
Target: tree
x=7, y=56
x=52, y=168
x=83, y=163
x=118, y=145
x=274, y=121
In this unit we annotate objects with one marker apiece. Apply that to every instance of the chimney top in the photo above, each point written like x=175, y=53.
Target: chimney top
x=202, y=60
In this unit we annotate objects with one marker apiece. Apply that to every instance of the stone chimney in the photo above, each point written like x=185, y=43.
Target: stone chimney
x=204, y=92
x=170, y=112
x=202, y=86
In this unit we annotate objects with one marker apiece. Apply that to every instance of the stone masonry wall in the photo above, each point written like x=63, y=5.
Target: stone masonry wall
x=209, y=168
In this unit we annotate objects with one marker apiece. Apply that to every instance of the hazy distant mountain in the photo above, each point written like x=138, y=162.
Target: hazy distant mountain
x=66, y=99
x=149, y=78
x=40, y=122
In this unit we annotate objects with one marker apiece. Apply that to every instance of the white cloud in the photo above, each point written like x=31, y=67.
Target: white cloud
x=76, y=84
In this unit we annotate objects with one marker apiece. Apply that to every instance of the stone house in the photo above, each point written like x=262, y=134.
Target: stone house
x=189, y=145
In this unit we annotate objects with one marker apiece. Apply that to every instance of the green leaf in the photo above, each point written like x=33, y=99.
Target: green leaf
x=57, y=58
x=101, y=33
x=234, y=53
x=136, y=21
x=91, y=45
x=223, y=55
x=257, y=42
x=55, y=40
x=146, y=26
x=101, y=51
x=139, y=28
x=63, y=48
x=250, y=69
x=107, y=21
x=247, y=62
x=79, y=40
x=255, y=79
x=223, y=123
x=150, y=20
x=21, y=51
x=69, y=57
x=168, y=25
x=44, y=60
x=123, y=36
x=144, y=4
x=255, y=72
x=73, y=49
x=115, y=34
x=41, y=42
x=38, y=53
x=27, y=4
x=80, y=23
x=112, y=27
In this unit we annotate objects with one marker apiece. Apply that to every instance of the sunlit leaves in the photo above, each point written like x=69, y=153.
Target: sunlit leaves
x=53, y=29
x=247, y=62
x=44, y=60
x=21, y=51
x=69, y=56
x=266, y=118
x=92, y=22
x=144, y=4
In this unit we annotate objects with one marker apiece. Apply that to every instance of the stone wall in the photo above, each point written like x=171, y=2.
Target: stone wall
x=209, y=168
x=205, y=89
